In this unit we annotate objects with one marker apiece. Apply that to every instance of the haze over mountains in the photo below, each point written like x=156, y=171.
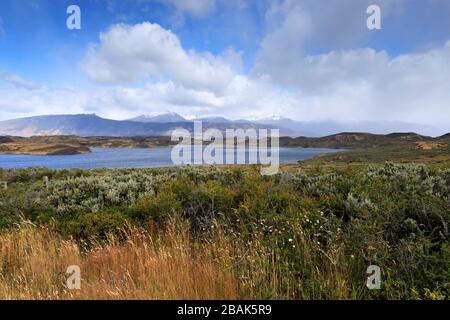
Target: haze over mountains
x=164, y=124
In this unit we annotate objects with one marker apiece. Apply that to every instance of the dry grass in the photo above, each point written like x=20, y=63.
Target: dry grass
x=143, y=266
x=163, y=264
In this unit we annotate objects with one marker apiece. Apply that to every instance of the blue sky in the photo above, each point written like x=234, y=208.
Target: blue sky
x=37, y=36
x=303, y=59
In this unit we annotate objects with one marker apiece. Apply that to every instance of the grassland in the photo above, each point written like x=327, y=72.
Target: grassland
x=369, y=149
x=309, y=232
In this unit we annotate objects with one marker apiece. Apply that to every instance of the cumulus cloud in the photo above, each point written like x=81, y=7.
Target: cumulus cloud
x=297, y=27
x=345, y=85
x=133, y=53
x=364, y=84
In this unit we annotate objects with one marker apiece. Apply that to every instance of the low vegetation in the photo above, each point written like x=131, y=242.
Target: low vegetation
x=200, y=233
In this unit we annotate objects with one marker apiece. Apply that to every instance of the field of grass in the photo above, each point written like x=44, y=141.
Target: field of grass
x=309, y=232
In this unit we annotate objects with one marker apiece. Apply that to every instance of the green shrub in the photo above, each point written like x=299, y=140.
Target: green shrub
x=156, y=208
x=96, y=226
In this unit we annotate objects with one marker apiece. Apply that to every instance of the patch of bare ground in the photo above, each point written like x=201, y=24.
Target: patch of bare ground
x=430, y=145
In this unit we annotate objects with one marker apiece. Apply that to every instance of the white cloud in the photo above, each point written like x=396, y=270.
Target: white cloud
x=367, y=85
x=347, y=85
x=297, y=27
x=17, y=81
x=19, y=102
x=129, y=54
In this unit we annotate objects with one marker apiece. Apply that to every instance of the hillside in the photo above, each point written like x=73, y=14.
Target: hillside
x=349, y=140
x=66, y=145
x=445, y=137
x=36, y=148
x=366, y=148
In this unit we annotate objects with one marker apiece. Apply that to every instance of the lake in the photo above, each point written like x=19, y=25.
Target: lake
x=131, y=158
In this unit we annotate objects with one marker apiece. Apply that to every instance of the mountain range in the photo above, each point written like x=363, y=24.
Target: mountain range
x=89, y=125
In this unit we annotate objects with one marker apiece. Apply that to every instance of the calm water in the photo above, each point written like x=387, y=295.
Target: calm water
x=130, y=158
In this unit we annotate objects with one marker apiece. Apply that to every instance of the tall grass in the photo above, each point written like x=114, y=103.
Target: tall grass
x=141, y=265
x=160, y=264
x=170, y=264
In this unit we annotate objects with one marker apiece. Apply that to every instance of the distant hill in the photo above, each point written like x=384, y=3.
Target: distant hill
x=6, y=139
x=355, y=140
x=445, y=137
x=163, y=118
